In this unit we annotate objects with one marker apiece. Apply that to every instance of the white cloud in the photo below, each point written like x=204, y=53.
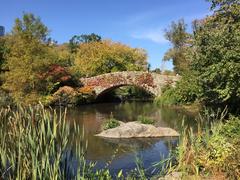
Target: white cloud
x=156, y=35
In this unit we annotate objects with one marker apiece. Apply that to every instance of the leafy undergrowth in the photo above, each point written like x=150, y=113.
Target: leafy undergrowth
x=211, y=153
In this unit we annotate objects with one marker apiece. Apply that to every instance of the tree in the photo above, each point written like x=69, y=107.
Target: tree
x=217, y=54
x=223, y=5
x=29, y=55
x=96, y=58
x=75, y=41
x=31, y=27
x=179, y=38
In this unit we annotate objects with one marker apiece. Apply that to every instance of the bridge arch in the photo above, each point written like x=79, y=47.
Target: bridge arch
x=112, y=88
x=150, y=82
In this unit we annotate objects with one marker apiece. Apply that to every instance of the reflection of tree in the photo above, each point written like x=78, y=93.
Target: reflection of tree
x=174, y=118
x=128, y=111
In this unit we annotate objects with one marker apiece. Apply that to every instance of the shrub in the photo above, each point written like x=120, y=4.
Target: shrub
x=187, y=91
x=167, y=98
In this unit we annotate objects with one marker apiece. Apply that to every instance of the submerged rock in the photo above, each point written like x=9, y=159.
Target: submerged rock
x=138, y=130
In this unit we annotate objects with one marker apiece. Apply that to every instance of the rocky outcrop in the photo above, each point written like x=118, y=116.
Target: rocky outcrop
x=138, y=130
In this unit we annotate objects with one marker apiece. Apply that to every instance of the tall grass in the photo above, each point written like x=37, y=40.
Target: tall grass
x=34, y=144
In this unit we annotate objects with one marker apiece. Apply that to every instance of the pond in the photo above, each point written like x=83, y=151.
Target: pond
x=125, y=151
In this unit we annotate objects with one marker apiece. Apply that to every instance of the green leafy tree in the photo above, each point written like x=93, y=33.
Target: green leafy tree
x=75, y=41
x=180, y=40
x=29, y=27
x=217, y=54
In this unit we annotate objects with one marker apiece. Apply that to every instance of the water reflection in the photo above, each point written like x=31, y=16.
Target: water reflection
x=102, y=150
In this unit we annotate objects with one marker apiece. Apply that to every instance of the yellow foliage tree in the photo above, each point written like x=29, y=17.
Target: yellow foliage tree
x=106, y=56
x=29, y=55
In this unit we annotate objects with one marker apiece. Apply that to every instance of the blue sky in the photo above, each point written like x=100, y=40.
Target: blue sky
x=138, y=23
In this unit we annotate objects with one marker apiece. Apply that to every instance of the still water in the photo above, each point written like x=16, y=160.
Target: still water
x=124, y=151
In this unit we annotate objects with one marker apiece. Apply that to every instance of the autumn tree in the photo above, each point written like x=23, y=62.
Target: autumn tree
x=29, y=55
x=96, y=58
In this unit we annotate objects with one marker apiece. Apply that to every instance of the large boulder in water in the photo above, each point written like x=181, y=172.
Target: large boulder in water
x=138, y=130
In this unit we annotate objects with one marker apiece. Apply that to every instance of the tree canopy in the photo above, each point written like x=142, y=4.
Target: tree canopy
x=76, y=40
x=213, y=70
x=95, y=58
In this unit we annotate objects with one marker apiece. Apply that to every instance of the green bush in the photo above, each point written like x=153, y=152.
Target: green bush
x=186, y=91
x=167, y=98
x=145, y=120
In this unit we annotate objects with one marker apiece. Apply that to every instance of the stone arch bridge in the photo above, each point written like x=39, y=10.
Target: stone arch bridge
x=151, y=82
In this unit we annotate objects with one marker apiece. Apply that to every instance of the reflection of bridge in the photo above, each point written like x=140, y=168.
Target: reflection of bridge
x=151, y=82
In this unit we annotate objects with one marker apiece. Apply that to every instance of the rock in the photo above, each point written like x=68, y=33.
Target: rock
x=172, y=176
x=64, y=96
x=137, y=130
x=65, y=90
